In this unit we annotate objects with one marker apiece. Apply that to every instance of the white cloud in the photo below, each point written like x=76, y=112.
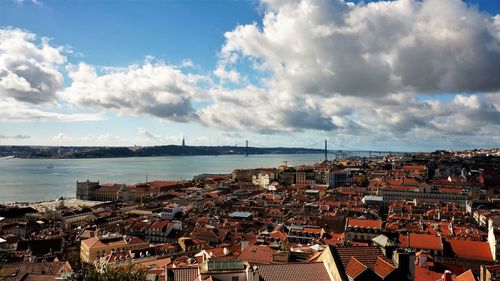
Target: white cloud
x=59, y=136
x=156, y=89
x=37, y=2
x=359, y=70
x=105, y=139
x=12, y=110
x=227, y=75
x=29, y=67
x=18, y=136
x=355, y=73
x=330, y=47
x=159, y=139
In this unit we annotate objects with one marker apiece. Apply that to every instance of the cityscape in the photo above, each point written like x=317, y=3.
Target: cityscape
x=250, y=140
x=426, y=216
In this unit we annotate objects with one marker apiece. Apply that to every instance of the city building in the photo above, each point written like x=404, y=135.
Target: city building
x=99, y=246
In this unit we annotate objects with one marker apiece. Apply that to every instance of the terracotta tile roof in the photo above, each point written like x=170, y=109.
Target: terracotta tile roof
x=260, y=254
x=294, y=271
x=279, y=234
x=450, y=190
x=184, y=274
x=164, y=183
x=401, y=187
x=466, y=276
x=139, y=226
x=424, y=274
x=375, y=224
x=313, y=230
x=118, y=241
x=158, y=263
x=336, y=238
x=474, y=250
x=19, y=271
x=354, y=268
x=383, y=268
x=414, y=167
x=91, y=241
x=422, y=241
x=365, y=255
x=158, y=225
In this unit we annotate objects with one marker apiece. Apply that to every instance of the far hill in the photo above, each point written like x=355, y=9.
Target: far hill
x=142, y=151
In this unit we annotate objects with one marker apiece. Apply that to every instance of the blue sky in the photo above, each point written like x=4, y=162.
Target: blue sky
x=104, y=31
x=121, y=35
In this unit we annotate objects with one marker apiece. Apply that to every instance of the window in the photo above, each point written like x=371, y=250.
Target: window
x=235, y=278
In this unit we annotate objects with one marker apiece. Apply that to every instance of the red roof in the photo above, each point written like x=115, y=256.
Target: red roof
x=261, y=254
x=401, y=187
x=423, y=241
x=313, y=230
x=375, y=224
x=294, y=271
x=279, y=234
x=466, y=276
x=450, y=190
x=163, y=183
x=383, y=268
x=354, y=268
x=425, y=274
x=159, y=225
x=414, y=167
x=473, y=250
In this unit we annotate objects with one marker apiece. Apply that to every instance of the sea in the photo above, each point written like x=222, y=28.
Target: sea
x=34, y=180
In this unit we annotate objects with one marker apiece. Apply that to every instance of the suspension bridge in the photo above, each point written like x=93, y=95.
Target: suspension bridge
x=342, y=151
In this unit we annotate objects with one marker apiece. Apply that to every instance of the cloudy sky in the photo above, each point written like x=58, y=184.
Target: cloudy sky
x=399, y=75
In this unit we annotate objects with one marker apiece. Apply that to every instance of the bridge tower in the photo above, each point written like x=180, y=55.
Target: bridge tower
x=326, y=150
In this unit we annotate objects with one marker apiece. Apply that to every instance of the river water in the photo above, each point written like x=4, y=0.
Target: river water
x=23, y=180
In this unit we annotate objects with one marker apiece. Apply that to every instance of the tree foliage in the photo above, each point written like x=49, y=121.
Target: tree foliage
x=89, y=272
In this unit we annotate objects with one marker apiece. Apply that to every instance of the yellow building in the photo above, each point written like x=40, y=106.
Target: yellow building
x=96, y=247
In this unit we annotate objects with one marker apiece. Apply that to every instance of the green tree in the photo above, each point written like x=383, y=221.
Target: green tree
x=89, y=272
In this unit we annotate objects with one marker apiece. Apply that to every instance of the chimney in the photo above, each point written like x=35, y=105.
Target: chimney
x=447, y=276
x=255, y=275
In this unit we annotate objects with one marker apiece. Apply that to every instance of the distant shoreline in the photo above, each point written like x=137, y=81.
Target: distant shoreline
x=84, y=152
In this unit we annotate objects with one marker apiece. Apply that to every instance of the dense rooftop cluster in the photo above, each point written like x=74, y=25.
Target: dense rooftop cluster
x=430, y=216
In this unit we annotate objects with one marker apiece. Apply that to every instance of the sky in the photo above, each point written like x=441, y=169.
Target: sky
x=403, y=75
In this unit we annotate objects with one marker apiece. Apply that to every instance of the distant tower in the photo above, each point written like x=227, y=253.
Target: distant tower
x=246, y=148
x=326, y=150
x=183, y=141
